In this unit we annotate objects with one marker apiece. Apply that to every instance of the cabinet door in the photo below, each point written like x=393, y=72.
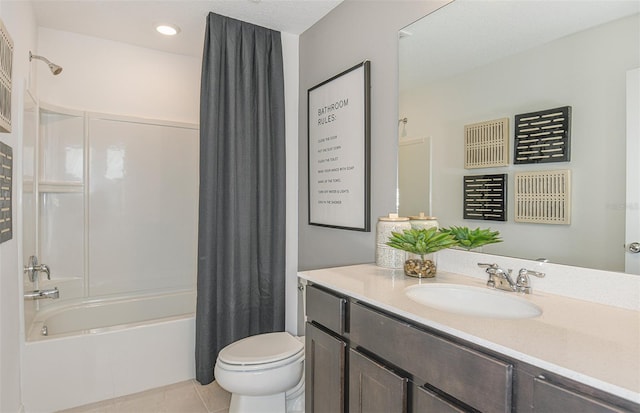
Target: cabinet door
x=374, y=388
x=549, y=398
x=426, y=401
x=324, y=371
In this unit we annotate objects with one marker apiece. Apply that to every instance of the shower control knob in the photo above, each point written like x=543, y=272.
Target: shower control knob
x=634, y=247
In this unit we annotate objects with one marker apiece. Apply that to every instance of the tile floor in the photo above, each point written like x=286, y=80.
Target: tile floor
x=185, y=397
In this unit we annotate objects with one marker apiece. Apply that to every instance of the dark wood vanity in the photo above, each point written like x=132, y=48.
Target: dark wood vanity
x=360, y=358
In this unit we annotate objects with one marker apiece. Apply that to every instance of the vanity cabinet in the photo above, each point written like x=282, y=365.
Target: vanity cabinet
x=325, y=352
x=469, y=377
x=363, y=359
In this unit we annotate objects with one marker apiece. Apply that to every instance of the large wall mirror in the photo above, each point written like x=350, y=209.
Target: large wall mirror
x=476, y=61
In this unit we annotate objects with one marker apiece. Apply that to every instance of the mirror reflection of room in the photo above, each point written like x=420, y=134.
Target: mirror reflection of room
x=497, y=61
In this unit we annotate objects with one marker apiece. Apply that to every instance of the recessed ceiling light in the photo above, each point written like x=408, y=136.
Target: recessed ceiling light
x=167, y=29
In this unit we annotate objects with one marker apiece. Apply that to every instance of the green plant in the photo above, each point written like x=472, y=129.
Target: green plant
x=472, y=238
x=421, y=241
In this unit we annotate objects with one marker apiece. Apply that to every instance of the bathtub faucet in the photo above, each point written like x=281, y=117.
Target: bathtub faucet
x=40, y=294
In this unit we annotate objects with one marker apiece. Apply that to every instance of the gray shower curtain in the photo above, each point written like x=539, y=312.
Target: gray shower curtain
x=241, y=236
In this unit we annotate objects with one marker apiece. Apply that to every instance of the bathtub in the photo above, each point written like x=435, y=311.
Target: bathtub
x=100, y=349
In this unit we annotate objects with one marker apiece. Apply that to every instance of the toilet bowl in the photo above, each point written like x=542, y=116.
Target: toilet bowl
x=264, y=373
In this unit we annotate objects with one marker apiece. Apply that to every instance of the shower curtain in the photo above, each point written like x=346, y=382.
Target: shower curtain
x=241, y=235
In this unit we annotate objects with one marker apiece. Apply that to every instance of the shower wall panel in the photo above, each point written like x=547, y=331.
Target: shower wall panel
x=143, y=205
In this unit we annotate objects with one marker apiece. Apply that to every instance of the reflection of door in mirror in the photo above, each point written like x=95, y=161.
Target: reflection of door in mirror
x=632, y=261
x=414, y=176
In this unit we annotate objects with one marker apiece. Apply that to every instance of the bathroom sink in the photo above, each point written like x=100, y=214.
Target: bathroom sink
x=472, y=301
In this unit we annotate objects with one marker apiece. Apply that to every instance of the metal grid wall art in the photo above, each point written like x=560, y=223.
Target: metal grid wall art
x=543, y=136
x=543, y=197
x=485, y=197
x=6, y=176
x=486, y=144
x=6, y=64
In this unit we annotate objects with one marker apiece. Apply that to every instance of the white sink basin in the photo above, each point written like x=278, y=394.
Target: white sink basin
x=473, y=301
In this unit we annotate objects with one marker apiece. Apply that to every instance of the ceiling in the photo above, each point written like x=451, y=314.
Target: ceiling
x=133, y=21
x=469, y=33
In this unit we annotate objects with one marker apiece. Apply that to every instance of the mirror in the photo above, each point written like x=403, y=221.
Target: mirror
x=476, y=61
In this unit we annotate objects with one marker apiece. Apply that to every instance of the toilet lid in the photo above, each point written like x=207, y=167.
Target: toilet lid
x=261, y=349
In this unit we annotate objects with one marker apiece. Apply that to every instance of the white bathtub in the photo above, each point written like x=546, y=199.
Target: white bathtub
x=103, y=349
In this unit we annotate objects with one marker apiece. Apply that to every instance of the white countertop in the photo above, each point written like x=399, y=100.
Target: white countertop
x=595, y=344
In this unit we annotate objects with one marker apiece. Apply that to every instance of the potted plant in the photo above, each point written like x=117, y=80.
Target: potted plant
x=421, y=242
x=472, y=238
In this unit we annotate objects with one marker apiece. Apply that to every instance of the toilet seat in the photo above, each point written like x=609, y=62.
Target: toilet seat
x=261, y=352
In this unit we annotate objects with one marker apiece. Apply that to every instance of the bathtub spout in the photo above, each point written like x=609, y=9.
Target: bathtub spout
x=40, y=294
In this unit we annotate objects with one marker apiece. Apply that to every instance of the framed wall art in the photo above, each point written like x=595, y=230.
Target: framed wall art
x=339, y=151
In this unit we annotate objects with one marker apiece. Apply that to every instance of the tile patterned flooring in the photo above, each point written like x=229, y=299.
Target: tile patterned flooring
x=185, y=397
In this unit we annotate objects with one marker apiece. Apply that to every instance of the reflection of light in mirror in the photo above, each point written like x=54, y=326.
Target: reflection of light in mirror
x=73, y=163
x=115, y=163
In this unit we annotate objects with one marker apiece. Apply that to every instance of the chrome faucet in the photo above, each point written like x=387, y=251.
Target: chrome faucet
x=501, y=279
x=40, y=294
x=498, y=278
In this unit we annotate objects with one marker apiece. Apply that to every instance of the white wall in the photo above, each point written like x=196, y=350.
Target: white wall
x=350, y=33
x=19, y=20
x=588, y=73
x=290, y=56
x=112, y=77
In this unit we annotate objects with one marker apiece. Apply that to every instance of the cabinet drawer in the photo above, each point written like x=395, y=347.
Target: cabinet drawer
x=480, y=381
x=326, y=309
x=548, y=397
x=425, y=400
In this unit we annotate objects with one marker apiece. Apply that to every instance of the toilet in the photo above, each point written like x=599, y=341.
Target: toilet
x=264, y=373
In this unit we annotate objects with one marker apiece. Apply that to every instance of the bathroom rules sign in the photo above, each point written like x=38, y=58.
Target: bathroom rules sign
x=339, y=150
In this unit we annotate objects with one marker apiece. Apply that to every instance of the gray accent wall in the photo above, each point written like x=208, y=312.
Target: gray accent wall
x=351, y=33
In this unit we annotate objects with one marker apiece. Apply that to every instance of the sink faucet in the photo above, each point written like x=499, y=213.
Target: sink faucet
x=501, y=279
x=498, y=278
x=40, y=294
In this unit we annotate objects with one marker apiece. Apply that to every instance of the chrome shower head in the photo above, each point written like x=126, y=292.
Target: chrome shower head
x=55, y=69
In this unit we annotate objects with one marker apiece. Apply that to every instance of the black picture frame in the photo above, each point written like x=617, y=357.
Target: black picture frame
x=339, y=150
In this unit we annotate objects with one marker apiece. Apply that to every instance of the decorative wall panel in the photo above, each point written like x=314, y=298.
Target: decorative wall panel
x=543, y=136
x=486, y=144
x=543, y=197
x=6, y=178
x=485, y=197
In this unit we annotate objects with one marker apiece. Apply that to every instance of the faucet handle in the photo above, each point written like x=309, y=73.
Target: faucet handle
x=45, y=269
x=493, y=266
x=523, y=283
x=524, y=271
x=33, y=268
x=490, y=269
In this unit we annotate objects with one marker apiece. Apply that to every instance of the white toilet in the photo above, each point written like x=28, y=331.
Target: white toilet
x=264, y=373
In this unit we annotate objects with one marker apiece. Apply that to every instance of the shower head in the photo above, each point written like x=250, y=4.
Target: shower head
x=55, y=69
